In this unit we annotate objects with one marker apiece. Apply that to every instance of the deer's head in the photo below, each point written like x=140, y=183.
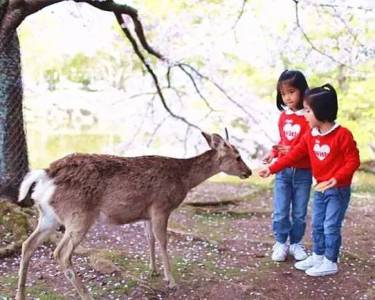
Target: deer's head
x=229, y=158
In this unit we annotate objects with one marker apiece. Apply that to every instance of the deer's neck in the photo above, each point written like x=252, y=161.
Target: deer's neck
x=201, y=168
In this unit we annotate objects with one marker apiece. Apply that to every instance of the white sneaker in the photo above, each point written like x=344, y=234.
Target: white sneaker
x=309, y=262
x=327, y=267
x=280, y=252
x=297, y=251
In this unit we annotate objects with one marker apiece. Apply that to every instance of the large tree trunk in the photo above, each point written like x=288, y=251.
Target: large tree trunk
x=13, y=151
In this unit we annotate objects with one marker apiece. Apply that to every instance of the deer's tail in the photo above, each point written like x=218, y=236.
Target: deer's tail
x=33, y=178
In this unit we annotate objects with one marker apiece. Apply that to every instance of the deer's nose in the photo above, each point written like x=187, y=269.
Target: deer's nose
x=247, y=173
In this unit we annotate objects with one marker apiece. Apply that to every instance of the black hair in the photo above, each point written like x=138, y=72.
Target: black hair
x=323, y=102
x=294, y=78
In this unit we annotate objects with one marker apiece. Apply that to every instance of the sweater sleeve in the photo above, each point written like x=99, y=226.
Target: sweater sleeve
x=300, y=151
x=274, y=151
x=351, y=158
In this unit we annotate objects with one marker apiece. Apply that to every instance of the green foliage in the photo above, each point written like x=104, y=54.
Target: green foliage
x=240, y=123
x=364, y=183
x=52, y=77
x=39, y=290
x=78, y=68
x=47, y=147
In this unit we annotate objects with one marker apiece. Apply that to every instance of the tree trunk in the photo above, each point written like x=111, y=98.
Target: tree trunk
x=13, y=150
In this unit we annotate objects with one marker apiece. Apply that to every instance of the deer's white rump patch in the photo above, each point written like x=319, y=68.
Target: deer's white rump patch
x=42, y=195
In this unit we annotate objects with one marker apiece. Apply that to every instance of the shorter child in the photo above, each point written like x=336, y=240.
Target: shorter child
x=334, y=158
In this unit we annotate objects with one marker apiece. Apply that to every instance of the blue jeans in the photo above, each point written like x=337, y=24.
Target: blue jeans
x=328, y=214
x=291, y=193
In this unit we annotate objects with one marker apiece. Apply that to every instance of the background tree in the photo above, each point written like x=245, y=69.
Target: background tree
x=13, y=153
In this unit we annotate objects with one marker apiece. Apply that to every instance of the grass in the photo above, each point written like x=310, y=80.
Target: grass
x=207, y=268
x=39, y=290
x=253, y=180
x=363, y=182
x=8, y=285
x=123, y=283
x=119, y=288
x=212, y=226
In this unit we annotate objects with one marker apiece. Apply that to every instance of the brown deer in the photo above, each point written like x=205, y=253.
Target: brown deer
x=78, y=189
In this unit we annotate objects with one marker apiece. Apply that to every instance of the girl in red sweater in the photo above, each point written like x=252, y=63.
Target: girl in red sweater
x=334, y=159
x=293, y=184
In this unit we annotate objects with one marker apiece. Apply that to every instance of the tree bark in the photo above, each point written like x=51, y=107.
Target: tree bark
x=13, y=150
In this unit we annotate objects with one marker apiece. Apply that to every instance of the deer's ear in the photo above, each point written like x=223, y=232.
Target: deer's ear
x=215, y=141
x=207, y=137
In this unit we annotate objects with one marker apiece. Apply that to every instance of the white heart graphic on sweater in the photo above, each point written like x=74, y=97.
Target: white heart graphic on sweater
x=291, y=131
x=322, y=151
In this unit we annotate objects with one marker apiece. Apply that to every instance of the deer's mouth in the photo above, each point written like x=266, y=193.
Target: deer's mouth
x=246, y=174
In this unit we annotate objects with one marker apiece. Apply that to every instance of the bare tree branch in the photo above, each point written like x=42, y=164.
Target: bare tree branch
x=312, y=45
x=120, y=9
x=224, y=92
x=198, y=91
x=337, y=15
x=150, y=71
x=18, y=10
x=158, y=126
x=368, y=9
x=240, y=14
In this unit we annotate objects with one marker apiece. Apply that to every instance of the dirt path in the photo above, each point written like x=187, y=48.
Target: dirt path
x=220, y=241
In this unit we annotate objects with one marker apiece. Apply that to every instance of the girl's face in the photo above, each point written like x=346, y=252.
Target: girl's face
x=309, y=116
x=291, y=96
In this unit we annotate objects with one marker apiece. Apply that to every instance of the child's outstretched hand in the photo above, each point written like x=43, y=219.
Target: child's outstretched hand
x=325, y=185
x=268, y=158
x=264, y=172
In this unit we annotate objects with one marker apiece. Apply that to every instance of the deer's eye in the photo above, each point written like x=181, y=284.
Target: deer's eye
x=238, y=158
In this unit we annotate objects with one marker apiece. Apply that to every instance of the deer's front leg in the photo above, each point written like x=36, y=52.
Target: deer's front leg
x=151, y=243
x=159, y=227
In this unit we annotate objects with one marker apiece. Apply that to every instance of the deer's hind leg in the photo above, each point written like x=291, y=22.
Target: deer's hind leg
x=151, y=243
x=159, y=222
x=47, y=224
x=74, y=233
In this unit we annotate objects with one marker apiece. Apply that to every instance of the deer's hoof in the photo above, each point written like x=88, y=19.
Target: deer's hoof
x=19, y=297
x=172, y=284
x=154, y=273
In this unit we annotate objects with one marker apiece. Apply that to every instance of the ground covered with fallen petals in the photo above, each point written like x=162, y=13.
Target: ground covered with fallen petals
x=219, y=242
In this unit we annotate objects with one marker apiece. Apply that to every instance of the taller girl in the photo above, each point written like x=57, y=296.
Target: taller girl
x=293, y=184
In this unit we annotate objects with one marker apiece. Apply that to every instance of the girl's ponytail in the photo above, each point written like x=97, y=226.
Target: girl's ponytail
x=331, y=89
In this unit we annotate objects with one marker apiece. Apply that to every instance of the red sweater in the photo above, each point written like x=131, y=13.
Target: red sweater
x=332, y=155
x=292, y=126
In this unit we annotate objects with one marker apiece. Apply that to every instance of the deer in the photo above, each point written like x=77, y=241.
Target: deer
x=80, y=189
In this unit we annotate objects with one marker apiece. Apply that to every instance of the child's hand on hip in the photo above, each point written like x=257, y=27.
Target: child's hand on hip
x=264, y=172
x=325, y=185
